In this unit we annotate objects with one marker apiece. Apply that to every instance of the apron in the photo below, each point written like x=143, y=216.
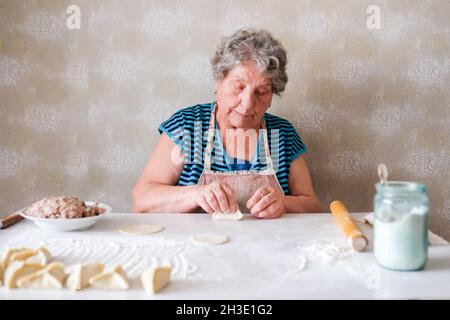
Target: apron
x=243, y=182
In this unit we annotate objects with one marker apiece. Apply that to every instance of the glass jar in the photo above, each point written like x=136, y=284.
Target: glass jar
x=401, y=225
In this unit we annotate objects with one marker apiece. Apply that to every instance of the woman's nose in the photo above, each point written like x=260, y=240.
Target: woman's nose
x=247, y=102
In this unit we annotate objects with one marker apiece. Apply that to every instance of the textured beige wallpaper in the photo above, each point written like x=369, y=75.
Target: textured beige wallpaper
x=80, y=107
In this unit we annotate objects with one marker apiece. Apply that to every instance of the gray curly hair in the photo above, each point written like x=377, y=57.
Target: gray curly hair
x=252, y=45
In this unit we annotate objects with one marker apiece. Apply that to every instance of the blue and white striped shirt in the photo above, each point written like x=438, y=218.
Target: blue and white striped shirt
x=188, y=128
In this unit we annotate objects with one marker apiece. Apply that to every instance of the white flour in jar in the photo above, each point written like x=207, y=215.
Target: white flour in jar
x=401, y=244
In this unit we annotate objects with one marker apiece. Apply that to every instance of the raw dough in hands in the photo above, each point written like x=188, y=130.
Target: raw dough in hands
x=235, y=216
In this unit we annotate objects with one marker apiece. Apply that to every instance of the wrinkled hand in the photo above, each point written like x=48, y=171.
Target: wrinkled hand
x=217, y=197
x=266, y=202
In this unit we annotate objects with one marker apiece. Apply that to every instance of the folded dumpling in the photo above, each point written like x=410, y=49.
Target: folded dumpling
x=40, y=256
x=21, y=255
x=1, y=275
x=114, y=279
x=155, y=279
x=79, y=278
x=50, y=277
x=235, y=216
x=6, y=257
x=17, y=270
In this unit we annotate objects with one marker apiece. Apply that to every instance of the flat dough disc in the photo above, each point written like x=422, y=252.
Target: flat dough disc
x=209, y=239
x=140, y=229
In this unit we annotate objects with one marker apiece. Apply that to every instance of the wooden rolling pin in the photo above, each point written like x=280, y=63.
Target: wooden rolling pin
x=10, y=220
x=356, y=239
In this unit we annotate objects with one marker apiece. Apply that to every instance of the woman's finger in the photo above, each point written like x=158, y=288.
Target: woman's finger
x=263, y=203
x=212, y=201
x=221, y=197
x=270, y=212
x=258, y=195
x=204, y=205
x=231, y=197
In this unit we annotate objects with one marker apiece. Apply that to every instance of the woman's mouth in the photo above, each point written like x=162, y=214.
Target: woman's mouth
x=243, y=115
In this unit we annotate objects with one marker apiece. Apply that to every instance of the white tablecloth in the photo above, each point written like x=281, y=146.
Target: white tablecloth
x=264, y=259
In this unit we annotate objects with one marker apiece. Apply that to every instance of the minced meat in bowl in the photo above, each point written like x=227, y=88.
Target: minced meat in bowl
x=65, y=207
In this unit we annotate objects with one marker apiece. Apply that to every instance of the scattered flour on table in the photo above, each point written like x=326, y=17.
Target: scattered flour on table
x=329, y=254
x=132, y=253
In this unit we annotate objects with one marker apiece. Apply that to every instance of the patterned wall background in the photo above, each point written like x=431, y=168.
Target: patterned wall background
x=80, y=108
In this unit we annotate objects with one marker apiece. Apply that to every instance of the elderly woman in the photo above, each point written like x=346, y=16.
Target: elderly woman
x=231, y=155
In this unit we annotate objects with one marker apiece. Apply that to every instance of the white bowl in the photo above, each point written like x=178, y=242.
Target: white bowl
x=64, y=224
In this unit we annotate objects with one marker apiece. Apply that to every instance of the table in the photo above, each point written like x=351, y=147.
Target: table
x=264, y=259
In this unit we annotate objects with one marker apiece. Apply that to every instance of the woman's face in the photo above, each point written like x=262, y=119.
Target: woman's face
x=244, y=95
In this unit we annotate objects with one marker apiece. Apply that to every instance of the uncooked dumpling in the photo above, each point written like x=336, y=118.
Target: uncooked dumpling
x=228, y=216
x=140, y=229
x=51, y=277
x=114, y=279
x=40, y=256
x=79, y=278
x=44, y=251
x=6, y=258
x=17, y=270
x=1, y=275
x=155, y=279
x=209, y=239
x=21, y=255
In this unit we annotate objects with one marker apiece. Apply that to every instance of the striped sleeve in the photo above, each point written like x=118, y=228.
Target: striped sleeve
x=297, y=145
x=174, y=128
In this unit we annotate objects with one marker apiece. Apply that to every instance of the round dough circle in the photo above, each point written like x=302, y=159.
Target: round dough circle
x=140, y=229
x=209, y=239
